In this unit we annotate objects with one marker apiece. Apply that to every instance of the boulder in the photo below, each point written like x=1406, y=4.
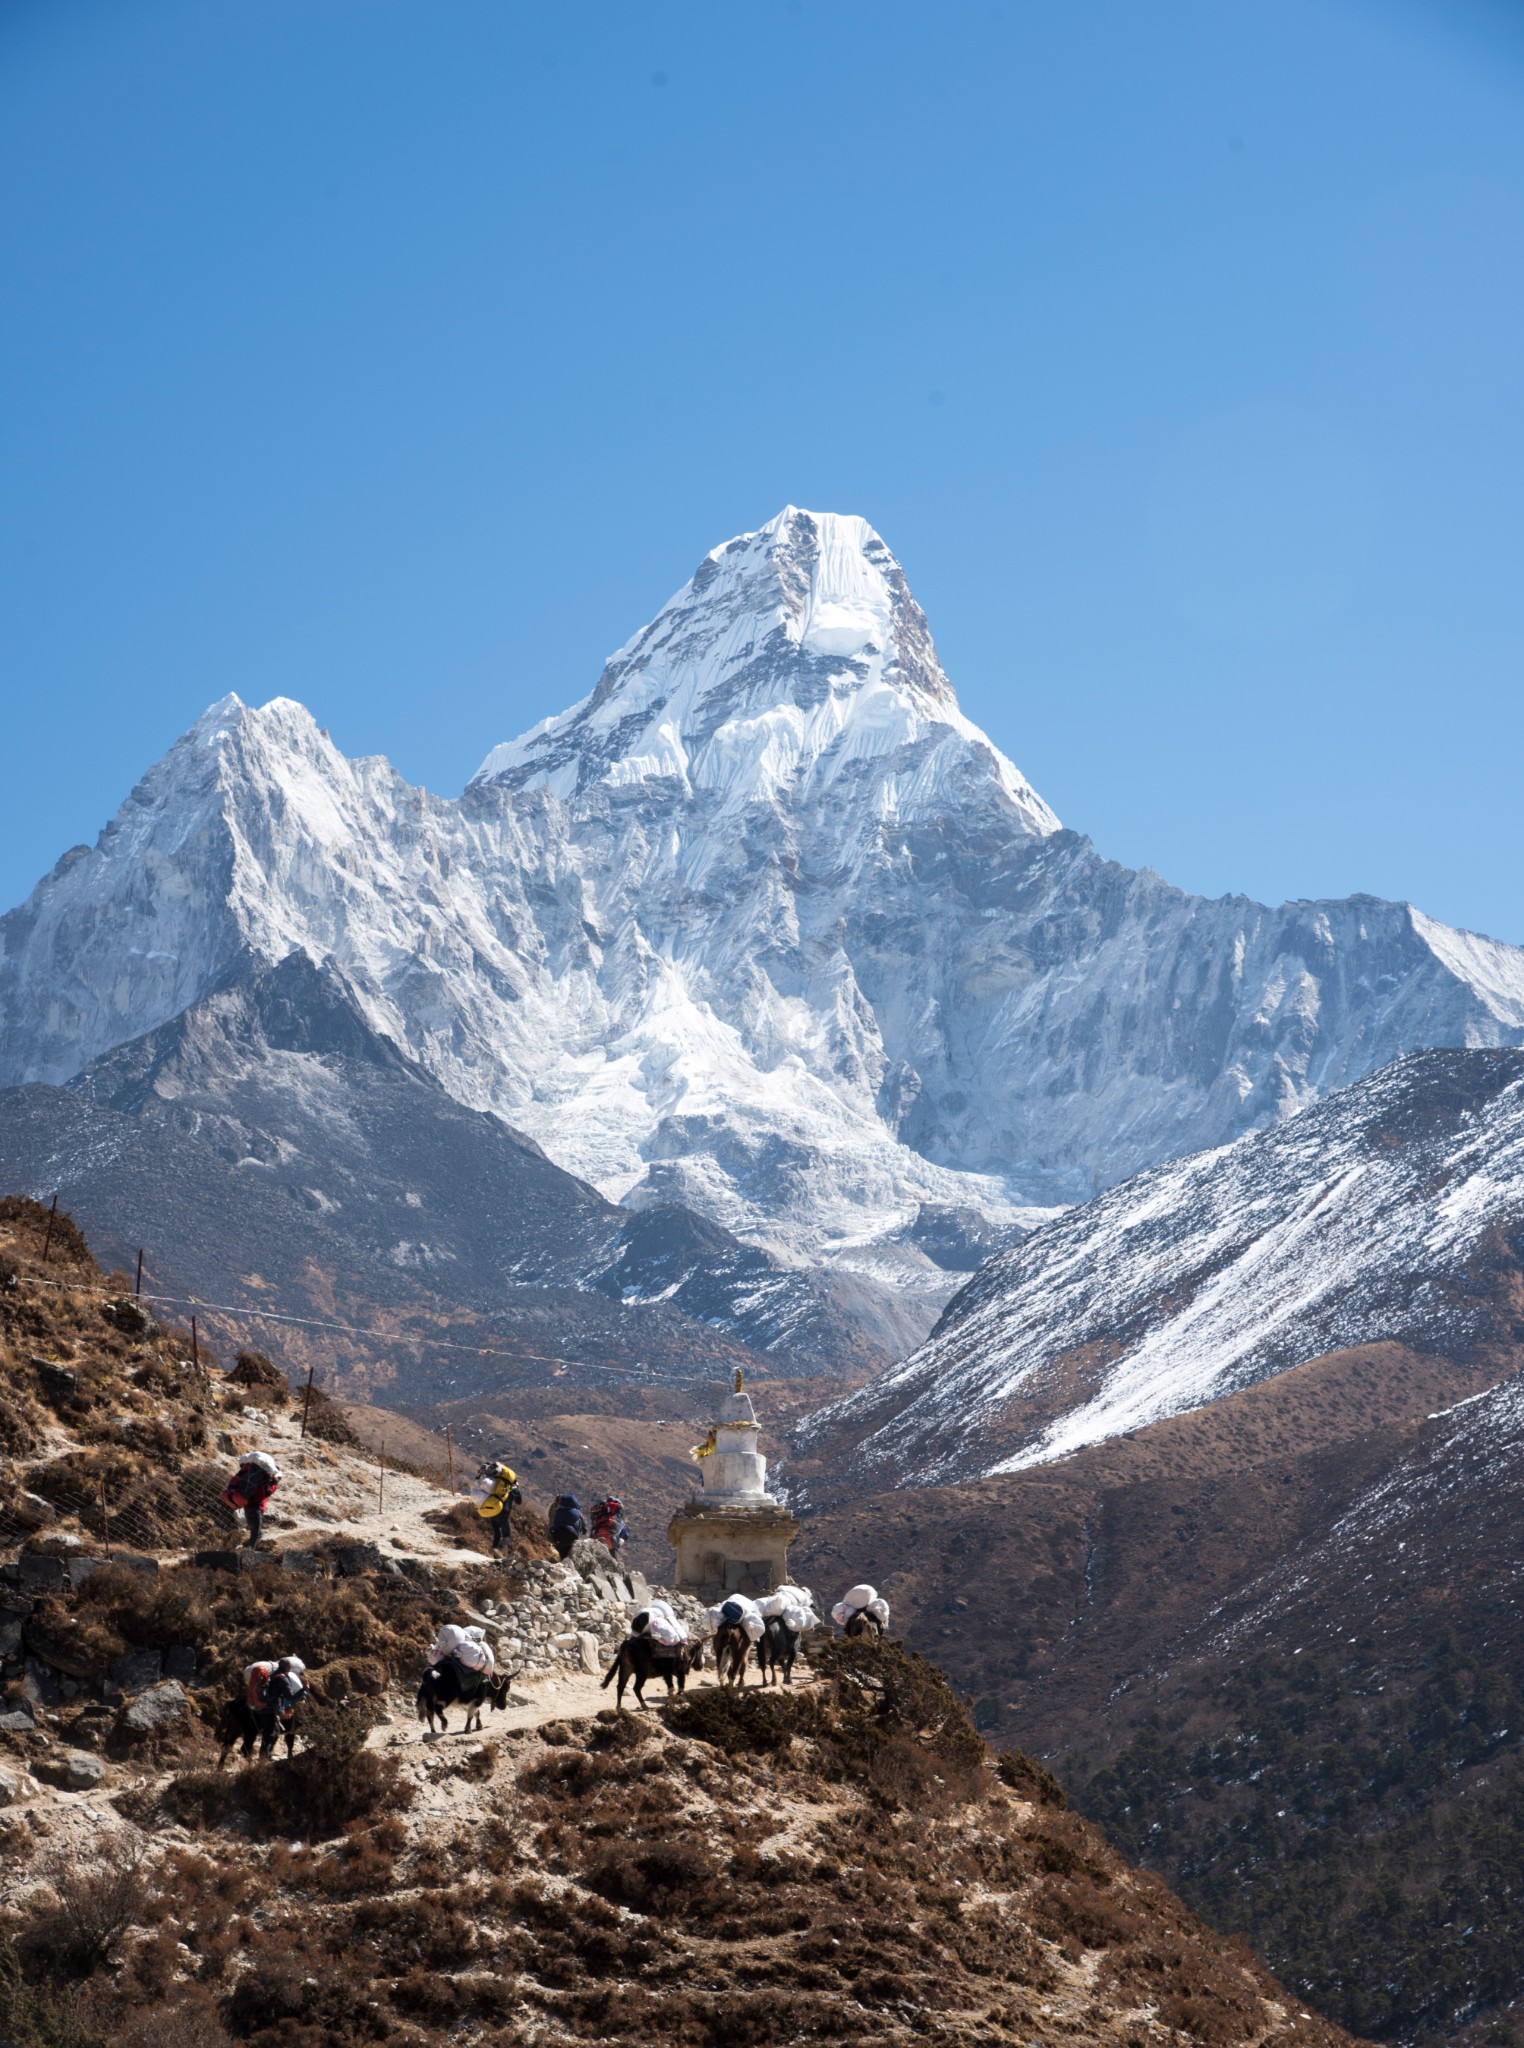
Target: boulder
x=17, y=1721
x=39, y=1685
x=128, y=1315
x=305, y=1561
x=130, y=1561
x=41, y=1574
x=592, y=1561
x=180, y=1662
x=137, y=1670
x=151, y=1713
x=9, y=1787
x=244, y=1560
x=55, y=1382
x=592, y=1662
x=75, y=1770
x=59, y=1646
x=356, y=1559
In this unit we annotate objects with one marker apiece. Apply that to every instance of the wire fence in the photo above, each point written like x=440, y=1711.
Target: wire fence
x=185, y=1509
x=181, y=1510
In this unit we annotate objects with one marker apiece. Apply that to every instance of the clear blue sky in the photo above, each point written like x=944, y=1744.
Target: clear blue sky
x=405, y=358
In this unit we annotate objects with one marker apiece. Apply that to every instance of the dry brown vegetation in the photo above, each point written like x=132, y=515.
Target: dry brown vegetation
x=837, y=1862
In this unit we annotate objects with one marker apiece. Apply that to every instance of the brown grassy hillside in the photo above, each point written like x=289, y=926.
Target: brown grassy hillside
x=843, y=1862
x=1315, y=1734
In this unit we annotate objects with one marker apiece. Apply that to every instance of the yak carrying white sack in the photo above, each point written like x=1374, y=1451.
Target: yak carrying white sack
x=663, y=1626
x=737, y=1607
x=859, y=1596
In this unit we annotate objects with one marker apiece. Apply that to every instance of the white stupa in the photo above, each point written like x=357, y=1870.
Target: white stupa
x=733, y=1536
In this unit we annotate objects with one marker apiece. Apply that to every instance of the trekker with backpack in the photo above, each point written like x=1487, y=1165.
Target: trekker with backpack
x=497, y=1495
x=609, y=1526
x=272, y=1692
x=566, y=1523
x=250, y=1488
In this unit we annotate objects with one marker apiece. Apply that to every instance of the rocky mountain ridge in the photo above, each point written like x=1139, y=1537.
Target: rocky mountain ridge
x=1391, y=1212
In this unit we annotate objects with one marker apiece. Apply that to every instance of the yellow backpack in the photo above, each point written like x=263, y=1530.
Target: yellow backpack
x=497, y=1499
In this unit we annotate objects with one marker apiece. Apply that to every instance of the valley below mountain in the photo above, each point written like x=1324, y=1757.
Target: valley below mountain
x=1234, y=1553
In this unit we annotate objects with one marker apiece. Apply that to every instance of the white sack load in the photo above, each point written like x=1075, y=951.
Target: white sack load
x=475, y=1652
x=841, y=1613
x=798, y=1619
x=263, y=1460
x=738, y=1608
x=663, y=1626
x=879, y=1609
x=784, y=1597
x=859, y=1596
x=446, y=1643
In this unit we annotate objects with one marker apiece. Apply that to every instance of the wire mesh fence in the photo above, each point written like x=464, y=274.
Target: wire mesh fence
x=169, y=1511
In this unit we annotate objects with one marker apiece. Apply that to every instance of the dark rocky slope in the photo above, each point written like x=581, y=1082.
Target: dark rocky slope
x=269, y=1148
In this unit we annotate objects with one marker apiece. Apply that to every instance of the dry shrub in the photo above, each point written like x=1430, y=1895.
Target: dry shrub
x=153, y=1609
x=87, y=1907
x=882, y=1688
x=188, y=2019
x=901, y=1774
x=1029, y=1780
x=656, y=1877
x=299, y=1999
x=253, y=1370
x=616, y=1728
x=1076, y=1914
x=36, y=2014
x=462, y=1524
x=362, y=1862
x=27, y=1221
x=332, y=1781
x=148, y=1499
x=327, y=1421
x=739, y=1723
x=361, y=1624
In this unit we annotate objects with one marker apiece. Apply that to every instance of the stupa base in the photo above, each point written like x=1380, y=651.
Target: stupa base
x=731, y=1549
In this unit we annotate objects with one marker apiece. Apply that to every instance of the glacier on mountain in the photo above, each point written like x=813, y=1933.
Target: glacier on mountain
x=764, y=926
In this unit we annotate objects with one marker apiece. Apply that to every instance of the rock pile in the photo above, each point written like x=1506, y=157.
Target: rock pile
x=574, y=1615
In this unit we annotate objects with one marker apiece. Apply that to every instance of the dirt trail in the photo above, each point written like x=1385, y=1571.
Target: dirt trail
x=329, y=1490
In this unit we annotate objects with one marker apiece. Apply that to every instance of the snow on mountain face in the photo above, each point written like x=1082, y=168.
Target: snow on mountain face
x=1392, y=1211
x=763, y=927
x=794, y=660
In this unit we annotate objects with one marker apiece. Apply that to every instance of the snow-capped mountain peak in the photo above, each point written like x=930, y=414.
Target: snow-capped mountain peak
x=793, y=655
x=764, y=927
